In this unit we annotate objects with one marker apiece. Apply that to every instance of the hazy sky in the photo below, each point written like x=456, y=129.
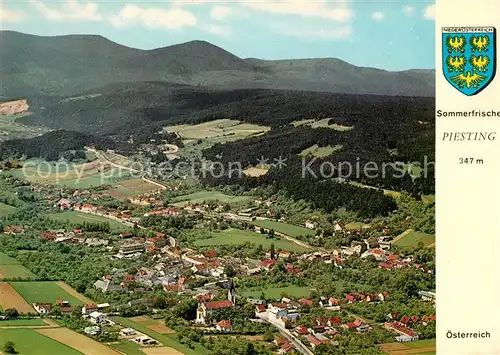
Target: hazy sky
x=390, y=34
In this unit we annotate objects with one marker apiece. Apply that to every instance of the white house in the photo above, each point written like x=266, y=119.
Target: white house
x=128, y=332
x=42, y=308
x=311, y=225
x=94, y=330
x=98, y=318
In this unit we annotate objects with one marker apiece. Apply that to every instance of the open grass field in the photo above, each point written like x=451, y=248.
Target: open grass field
x=391, y=193
x=277, y=292
x=420, y=347
x=201, y=196
x=80, y=217
x=79, y=342
x=356, y=226
x=410, y=239
x=44, y=292
x=210, y=133
x=322, y=123
x=156, y=325
x=10, y=298
x=11, y=268
x=31, y=342
x=217, y=128
x=23, y=323
x=167, y=340
x=70, y=290
x=94, y=173
x=133, y=187
x=320, y=152
x=429, y=198
x=285, y=228
x=6, y=210
x=238, y=236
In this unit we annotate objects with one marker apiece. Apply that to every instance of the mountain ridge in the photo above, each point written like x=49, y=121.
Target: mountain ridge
x=68, y=64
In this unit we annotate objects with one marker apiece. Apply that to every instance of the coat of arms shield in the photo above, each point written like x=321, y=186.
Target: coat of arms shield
x=469, y=57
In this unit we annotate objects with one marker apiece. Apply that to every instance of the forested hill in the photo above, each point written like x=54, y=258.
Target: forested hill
x=121, y=109
x=52, y=146
x=68, y=65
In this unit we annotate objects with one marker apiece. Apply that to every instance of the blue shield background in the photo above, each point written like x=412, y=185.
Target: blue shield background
x=468, y=52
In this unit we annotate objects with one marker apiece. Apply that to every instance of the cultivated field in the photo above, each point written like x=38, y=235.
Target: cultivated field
x=6, y=210
x=132, y=187
x=277, y=292
x=202, y=196
x=45, y=292
x=391, y=193
x=11, y=268
x=322, y=123
x=9, y=298
x=421, y=347
x=156, y=325
x=411, y=239
x=31, y=342
x=320, y=152
x=285, y=228
x=80, y=217
x=237, y=236
x=77, y=341
x=21, y=323
x=162, y=351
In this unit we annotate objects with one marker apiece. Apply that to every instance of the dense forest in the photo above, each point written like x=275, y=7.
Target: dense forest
x=387, y=138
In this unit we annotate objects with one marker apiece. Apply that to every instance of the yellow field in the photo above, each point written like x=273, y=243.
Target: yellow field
x=9, y=298
x=253, y=171
x=77, y=341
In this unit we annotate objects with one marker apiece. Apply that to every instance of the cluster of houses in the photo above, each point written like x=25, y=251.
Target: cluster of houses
x=76, y=236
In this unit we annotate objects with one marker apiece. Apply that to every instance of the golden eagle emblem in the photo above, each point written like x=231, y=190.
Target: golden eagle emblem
x=479, y=63
x=468, y=80
x=456, y=44
x=456, y=63
x=479, y=43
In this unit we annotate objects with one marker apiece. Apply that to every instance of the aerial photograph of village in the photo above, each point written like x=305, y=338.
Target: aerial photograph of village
x=212, y=178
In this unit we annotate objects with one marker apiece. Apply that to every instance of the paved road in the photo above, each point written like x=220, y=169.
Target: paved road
x=299, y=346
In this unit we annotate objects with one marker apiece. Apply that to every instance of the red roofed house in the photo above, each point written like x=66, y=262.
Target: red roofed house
x=281, y=341
x=333, y=302
x=405, y=334
x=260, y=308
x=287, y=348
x=266, y=264
x=350, y=298
x=306, y=302
x=48, y=236
x=301, y=330
x=224, y=326
x=334, y=321
x=405, y=320
x=89, y=308
x=207, y=308
x=313, y=340
x=210, y=254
